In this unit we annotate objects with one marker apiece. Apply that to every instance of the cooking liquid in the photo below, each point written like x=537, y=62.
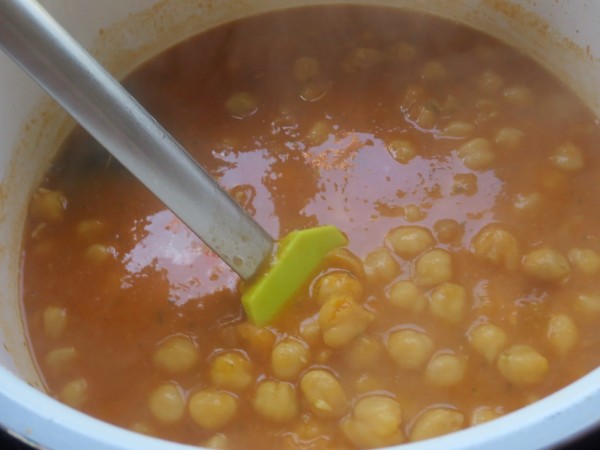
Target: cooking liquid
x=301, y=159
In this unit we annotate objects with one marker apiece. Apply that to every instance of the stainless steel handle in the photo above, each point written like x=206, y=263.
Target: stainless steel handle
x=37, y=43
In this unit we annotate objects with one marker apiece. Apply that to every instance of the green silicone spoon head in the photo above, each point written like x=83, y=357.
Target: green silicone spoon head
x=299, y=256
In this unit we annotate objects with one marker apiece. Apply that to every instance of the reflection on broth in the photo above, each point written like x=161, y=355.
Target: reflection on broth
x=460, y=171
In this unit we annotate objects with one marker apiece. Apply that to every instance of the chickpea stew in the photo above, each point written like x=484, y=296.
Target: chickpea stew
x=462, y=173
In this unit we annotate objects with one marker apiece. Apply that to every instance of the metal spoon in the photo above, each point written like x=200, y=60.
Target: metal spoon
x=60, y=65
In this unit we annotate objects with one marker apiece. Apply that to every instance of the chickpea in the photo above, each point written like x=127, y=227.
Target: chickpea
x=413, y=94
x=448, y=302
x=380, y=266
x=402, y=151
x=241, y=105
x=519, y=96
x=212, y=409
x=568, y=157
x=588, y=304
x=89, y=230
x=341, y=320
x=309, y=430
x=306, y=69
x=276, y=401
x=448, y=230
x=376, y=421
x=402, y=51
x=489, y=340
x=433, y=267
x=228, y=335
x=451, y=105
x=484, y=414
x=54, y=321
x=406, y=295
x=562, y=333
x=476, y=154
x=75, y=393
x=310, y=331
x=48, y=206
x=318, y=133
x=343, y=258
x=61, y=359
x=546, y=264
x=445, y=370
x=410, y=349
x=552, y=180
x=289, y=357
x=509, y=138
x=166, y=404
x=98, y=254
x=176, y=354
x=433, y=72
x=489, y=82
x=413, y=213
x=315, y=90
x=258, y=340
x=324, y=394
x=142, y=428
x=486, y=110
x=409, y=241
x=363, y=59
x=584, y=259
x=217, y=441
x=498, y=246
x=458, y=129
x=464, y=184
x=427, y=116
x=231, y=370
x=335, y=284
x=528, y=204
x=363, y=352
x=436, y=422
x=522, y=365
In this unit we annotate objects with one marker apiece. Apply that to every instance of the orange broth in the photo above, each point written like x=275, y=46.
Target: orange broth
x=366, y=118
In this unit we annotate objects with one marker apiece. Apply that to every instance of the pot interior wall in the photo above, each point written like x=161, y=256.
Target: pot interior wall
x=562, y=35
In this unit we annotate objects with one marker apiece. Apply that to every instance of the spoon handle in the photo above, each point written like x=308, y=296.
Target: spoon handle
x=43, y=49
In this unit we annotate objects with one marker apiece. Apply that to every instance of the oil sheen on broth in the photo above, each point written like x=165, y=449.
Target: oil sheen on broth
x=462, y=173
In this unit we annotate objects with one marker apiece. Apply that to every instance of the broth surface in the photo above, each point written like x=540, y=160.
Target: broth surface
x=462, y=173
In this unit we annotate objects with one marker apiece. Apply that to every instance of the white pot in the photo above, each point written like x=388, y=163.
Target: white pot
x=564, y=36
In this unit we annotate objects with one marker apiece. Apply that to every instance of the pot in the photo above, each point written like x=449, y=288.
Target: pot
x=563, y=36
